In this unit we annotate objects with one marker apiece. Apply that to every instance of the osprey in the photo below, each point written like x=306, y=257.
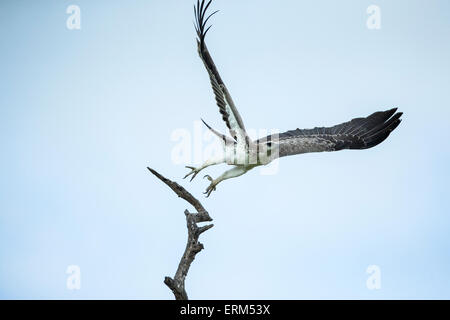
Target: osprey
x=245, y=154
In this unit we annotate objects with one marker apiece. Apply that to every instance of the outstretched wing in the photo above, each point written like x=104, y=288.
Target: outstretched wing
x=226, y=105
x=359, y=133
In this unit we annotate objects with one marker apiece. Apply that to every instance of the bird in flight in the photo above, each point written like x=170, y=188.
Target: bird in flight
x=245, y=154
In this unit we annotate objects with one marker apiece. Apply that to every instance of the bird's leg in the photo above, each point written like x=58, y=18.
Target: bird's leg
x=232, y=173
x=210, y=162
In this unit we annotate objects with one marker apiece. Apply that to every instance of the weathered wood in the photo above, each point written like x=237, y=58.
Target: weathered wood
x=193, y=246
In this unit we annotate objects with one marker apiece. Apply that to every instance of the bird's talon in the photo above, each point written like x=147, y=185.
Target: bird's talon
x=194, y=172
x=211, y=187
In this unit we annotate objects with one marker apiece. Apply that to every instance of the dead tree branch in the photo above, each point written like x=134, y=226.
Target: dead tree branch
x=193, y=246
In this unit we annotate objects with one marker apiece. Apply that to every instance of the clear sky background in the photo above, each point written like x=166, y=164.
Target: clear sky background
x=84, y=112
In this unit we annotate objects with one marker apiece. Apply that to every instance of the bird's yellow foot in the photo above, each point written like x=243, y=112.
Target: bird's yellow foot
x=212, y=186
x=194, y=172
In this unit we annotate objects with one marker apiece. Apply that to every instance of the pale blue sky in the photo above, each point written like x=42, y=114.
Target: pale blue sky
x=83, y=112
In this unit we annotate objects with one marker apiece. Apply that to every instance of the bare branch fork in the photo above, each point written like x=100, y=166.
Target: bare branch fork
x=193, y=246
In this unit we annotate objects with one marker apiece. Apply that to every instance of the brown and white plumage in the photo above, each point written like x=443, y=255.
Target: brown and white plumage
x=359, y=133
x=226, y=105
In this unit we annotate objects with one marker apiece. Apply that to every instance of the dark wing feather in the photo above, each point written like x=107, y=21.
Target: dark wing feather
x=359, y=133
x=226, y=105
